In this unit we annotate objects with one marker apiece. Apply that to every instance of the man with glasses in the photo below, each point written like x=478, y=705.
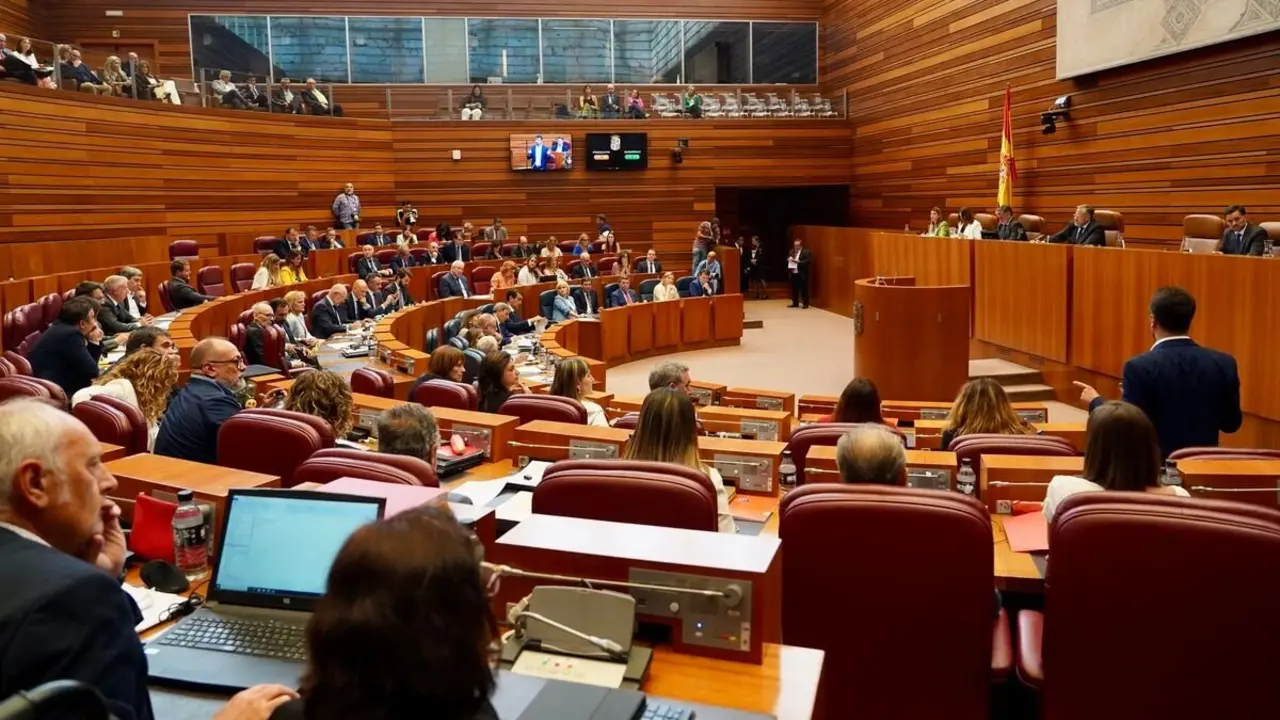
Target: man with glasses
x=195, y=413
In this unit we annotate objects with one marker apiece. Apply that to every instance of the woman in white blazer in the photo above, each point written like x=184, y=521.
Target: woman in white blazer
x=666, y=289
x=268, y=274
x=969, y=227
x=144, y=380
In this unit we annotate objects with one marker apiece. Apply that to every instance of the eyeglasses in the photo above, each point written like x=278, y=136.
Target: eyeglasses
x=238, y=360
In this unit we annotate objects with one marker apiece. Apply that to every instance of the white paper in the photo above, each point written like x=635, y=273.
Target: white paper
x=152, y=603
x=531, y=474
x=481, y=492
x=601, y=673
x=516, y=509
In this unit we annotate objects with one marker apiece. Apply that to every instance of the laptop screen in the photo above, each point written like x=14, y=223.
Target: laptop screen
x=281, y=543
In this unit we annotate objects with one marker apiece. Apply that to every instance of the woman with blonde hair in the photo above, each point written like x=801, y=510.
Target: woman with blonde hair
x=114, y=76
x=666, y=289
x=574, y=381
x=562, y=306
x=553, y=270
x=551, y=248
x=295, y=321
x=982, y=407
x=504, y=278
x=326, y=395
x=530, y=273
x=144, y=379
x=268, y=273
x=667, y=431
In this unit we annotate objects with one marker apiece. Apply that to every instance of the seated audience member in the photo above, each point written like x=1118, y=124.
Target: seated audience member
x=67, y=353
x=666, y=289
x=253, y=94
x=1082, y=230
x=409, y=429
x=1121, y=453
x=227, y=92
x=573, y=380
x=291, y=243
x=328, y=317
x=667, y=431
x=115, y=78
x=702, y=287
x=550, y=248
x=584, y=269
x=551, y=272
x=136, y=303
x=197, y=411
x=529, y=274
x=588, y=104
x=563, y=307
x=326, y=395
x=154, y=338
x=317, y=103
x=1009, y=228
x=649, y=264
x=293, y=273
x=284, y=100
x=858, y=403
x=115, y=317
x=504, y=278
x=407, y=214
x=871, y=454
x=624, y=295
x=267, y=274
x=360, y=305
x=63, y=615
x=368, y=264
x=983, y=407
x=16, y=65
x=432, y=256
x=299, y=351
x=691, y=103
x=969, y=227
x=474, y=104
x=498, y=380
x=584, y=244
x=87, y=80
x=938, y=226
x=413, y=576
x=384, y=299
x=151, y=87
x=671, y=375
x=509, y=321
x=635, y=106
x=453, y=248
x=712, y=267
x=254, y=338
x=381, y=238
x=487, y=344
x=408, y=235
x=331, y=240
x=403, y=259
x=455, y=284
x=447, y=363
x=523, y=249
x=144, y=379
x=181, y=294
x=1240, y=237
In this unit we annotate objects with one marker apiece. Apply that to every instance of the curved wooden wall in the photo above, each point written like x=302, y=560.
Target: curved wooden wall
x=17, y=18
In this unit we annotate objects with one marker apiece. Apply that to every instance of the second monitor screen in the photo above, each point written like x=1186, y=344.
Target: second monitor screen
x=541, y=152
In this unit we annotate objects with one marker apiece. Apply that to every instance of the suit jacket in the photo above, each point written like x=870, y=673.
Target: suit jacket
x=282, y=249
x=1091, y=234
x=327, y=319
x=183, y=295
x=802, y=267
x=1251, y=241
x=455, y=251
x=451, y=286
x=64, y=619
x=581, y=297
x=252, y=93
x=193, y=418
x=64, y=357
x=324, y=243
x=291, y=105
x=523, y=252
x=611, y=103
x=618, y=298
x=402, y=263
x=1011, y=230
x=696, y=289
x=585, y=271
x=367, y=266
x=644, y=266
x=1189, y=392
x=561, y=307
x=115, y=319
x=353, y=310
x=515, y=326
x=383, y=239
x=254, y=354
x=430, y=259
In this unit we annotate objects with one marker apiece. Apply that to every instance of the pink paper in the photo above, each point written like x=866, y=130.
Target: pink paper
x=1027, y=533
x=399, y=497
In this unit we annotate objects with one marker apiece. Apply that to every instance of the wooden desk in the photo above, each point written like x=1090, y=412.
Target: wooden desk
x=925, y=410
x=761, y=399
x=1015, y=571
x=817, y=404
x=111, y=452
x=706, y=393
x=784, y=685
x=1261, y=475
x=774, y=425
x=499, y=429
x=733, y=458
x=545, y=440
x=1028, y=477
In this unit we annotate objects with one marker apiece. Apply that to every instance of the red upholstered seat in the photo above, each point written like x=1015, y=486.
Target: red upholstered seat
x=1222, y=453
x=29, y=342
x=373, y=381
x=108, y=425
x=364, y=238
x=424, y=236
x=7, y=368
x=434, y=287
x=638, y=493
x=607, y=264
x=567, y=246
x=20, y=363
x=50, y=306
x=385, y=256
x=973, y=447
x=1157, y=607
x=323, y=470
x=443, y=393
x=480, y=250
x=626, y=422
x=819, y=434
x=352, y=259
x=184, y=250
x=418, y=253
x=420, y=470
x=274, y=442
x=26, y=386
x=915, y=627
x=242, y=276
x=136, y=441
x=210, y=282
x=481, y=278
x=264, y=244
x=544, y=407
x=165, y=298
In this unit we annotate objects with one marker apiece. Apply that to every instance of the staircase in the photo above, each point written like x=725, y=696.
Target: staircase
x=1022, y=384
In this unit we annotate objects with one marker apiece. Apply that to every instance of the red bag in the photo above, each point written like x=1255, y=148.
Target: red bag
x=152, y=535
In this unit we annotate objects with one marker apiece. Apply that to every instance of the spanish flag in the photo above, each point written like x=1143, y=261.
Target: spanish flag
x=1008, y=169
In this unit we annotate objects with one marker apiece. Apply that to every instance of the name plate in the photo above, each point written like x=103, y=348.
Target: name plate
x=929, y=479
x=477, y=437
x=587, y=450
x=753, y=474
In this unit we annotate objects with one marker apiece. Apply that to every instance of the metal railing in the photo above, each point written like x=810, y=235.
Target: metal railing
x=250, y=92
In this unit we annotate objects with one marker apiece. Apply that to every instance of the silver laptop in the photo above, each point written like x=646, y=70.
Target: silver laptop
x=276, y=550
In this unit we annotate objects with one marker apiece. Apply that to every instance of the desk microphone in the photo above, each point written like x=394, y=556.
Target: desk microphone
x=609, y=647
x=732, y=594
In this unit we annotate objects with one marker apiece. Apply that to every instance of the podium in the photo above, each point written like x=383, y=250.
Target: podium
x=912, y=341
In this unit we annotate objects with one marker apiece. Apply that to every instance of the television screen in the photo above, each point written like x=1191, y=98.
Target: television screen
x=541, y=153
x=617, y=151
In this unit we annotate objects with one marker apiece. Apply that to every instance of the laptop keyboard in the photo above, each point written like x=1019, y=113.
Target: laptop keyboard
x=662, y=711
x=259, y=638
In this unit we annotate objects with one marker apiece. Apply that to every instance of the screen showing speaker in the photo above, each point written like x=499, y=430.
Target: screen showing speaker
x=538, y=152
x=617, y=151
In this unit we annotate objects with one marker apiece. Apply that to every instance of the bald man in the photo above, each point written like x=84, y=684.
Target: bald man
x=196, y=413
x=327, y=316
x=255, y=337
x=360, y=305
x=871, y=454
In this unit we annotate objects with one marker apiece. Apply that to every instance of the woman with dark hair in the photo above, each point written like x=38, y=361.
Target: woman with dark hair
x=1121, y=453
x=859, y=403
x=937, y=225
x=474, y=104
x=969, y=227
x=403, y=629
x=498, y=380
x=446, y=363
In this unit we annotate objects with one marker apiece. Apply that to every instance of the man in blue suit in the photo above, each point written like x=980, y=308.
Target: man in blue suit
x=701, y=286
x=197, y=411
x=624, y=295
x=1241, y=237
x=539, y=155
x=1189, y=392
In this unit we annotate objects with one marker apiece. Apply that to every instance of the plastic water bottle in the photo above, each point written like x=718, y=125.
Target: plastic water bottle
x=787, y=471
x=1171, y=476
x=966, y=479
x=190, y=537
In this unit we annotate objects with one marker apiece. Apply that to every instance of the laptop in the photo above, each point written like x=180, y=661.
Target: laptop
x=277, y=547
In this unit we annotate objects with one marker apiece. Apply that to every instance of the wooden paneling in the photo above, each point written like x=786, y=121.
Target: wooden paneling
x=19, y=18
x=1037, y=278
x=1157, y=140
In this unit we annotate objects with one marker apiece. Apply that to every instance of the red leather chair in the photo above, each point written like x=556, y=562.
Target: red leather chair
x=264, y=244
x=165, y=298
x=818, y=434
x=242, y=276
x=386, y=256
x=364, y=238
x=443, y=393
x=1223, y=453
x=434, y=290
x=626, y=422
x=917, y=630
x=26, y=386
x=973, y=447
x=481, y=278
x=184, y=250
x=137, y=421
x=209, y=280
x=29, y=342
x=420, y=470
x=424, y=235
x=567, y=246
x=607, y=264
x=20, y=362
x=544, y=407
x=418, y=253
x=373, y=381
x=480, y=250
x=236, y=335
x=109, y=425
x=638, y=493
x=50, y=306
x=352, y=259
x=1156, y=607
x=7, y=368
x=323, y=470
x=9, y=328
x=273, y=442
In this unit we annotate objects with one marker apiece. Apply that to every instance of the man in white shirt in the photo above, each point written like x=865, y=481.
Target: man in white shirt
x=315, y=100
x=136, y=303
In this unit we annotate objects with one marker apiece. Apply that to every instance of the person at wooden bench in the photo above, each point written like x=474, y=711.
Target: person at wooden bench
x=291, y=270
x=859, y=403
x=562, y=306
x=585, y=269
x=253, y=95
x=624, y=295
x=983, y=407
x=197, y=411
x=454, y=284
x=871, y=454
x=86, y=79
x=284, y=100
x=702, y=287
x=446, y=363
x=712, y=267
x=115, y=319
x=368, y=264
x=498, y=380
x=67, y=353
x=650, y=264
x=298, y=344
x=361, y=305
x=938, y=226
x=410, y=430
x=666, y=289
x=573, y=380
x=509, y=318
x=227, y=92
x=314, y=99
x=1009, y=228
x=1082, y=230
x=1191, y=393
x=144, y=379
x=1242, y=238
x=181, y=294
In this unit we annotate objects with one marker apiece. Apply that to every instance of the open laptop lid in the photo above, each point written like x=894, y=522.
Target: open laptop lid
x=277, y=545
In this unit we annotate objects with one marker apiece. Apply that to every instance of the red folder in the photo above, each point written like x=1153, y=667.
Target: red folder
x=1027, y=533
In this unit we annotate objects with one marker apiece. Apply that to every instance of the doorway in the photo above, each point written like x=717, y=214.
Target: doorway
x=770, y=213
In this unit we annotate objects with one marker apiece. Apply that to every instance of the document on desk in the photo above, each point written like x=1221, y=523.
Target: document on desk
x=1027, y=533
x=153, y=604
x=601, y=673
x=482, y=492
x=516, y=509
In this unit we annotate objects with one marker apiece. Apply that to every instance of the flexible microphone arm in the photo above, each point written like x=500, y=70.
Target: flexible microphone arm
x=610, y=647
x=732, y=595
x=26, y=704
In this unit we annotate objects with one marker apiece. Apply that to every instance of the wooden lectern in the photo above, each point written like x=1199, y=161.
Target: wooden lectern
x=911, y=341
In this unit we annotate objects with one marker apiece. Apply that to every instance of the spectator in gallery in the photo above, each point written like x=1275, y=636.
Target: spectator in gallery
x=691, y=103
x=711, y=266
x=227, y=93
x=253, y=94
x=938, y=226
x=284, y=100
x=610, y=102
x=316, y=101
x=346, y=207
x=635, y=106
x=969, y=227
x=473, y=107
x=87, y=79
x=407, y=214
x=113, y=75
x=150, y=87
x=588, y=104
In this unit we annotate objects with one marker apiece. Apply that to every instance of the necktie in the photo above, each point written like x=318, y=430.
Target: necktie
x=463, y=283
x=628, y=297
x=1079, y=233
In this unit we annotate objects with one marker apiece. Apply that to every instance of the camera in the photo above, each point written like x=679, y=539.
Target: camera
x=1061, y=110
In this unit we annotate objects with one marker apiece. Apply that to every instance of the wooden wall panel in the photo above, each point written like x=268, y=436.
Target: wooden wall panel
x=1190, y=133
x=1021, y=295
x=19, y=18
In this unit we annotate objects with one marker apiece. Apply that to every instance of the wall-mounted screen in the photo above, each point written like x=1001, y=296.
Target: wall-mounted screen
x=617, y=151
x=541, y=152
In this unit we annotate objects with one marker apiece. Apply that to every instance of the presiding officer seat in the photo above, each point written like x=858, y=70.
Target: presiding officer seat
x=628, y=491
x=1156, y=607
x=274, y=442
x=421, y=470
x=1112, y=223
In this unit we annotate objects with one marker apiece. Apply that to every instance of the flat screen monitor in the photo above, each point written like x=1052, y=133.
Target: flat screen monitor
x=541, y=152
x=617, y=151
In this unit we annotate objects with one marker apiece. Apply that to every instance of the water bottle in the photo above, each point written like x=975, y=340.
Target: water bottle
x=787, y=471
x=966, y=479
x=190, y=537
x=1171, y=476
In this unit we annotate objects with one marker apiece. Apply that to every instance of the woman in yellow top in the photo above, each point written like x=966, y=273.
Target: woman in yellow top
x=292, y=274
x=937, y=225
x=504, y=278
x=588, y=105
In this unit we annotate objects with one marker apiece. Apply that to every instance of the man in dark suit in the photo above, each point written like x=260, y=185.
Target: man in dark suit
x=369, y=265
x=433, y=256
x=610, y=102
x=331, y=240
x=181, y=294
x=67, y=353
x=624, y=295
x=798, y=268
x=586, y=299
x=584, y=269
x=1082, y=230
x=327, y=316
x=63, y=615
x=253, y=94
x=1241, y=238
x=254, y=337
x=361, y=305
x=650, y=263
x=1189, y=392
x=384, y=299
x=454, y=249
x=197, y=411
x=115, y=317
x=454, y=284
x=510, y=321
x=290, y=243
x=702, y=287
x=317, y=103
x=1009, y=229
x=523, y=249
x=285, y=100
x=403, y=259
x=380, y=238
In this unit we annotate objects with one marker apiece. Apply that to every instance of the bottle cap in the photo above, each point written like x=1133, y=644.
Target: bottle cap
x=185, y=496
